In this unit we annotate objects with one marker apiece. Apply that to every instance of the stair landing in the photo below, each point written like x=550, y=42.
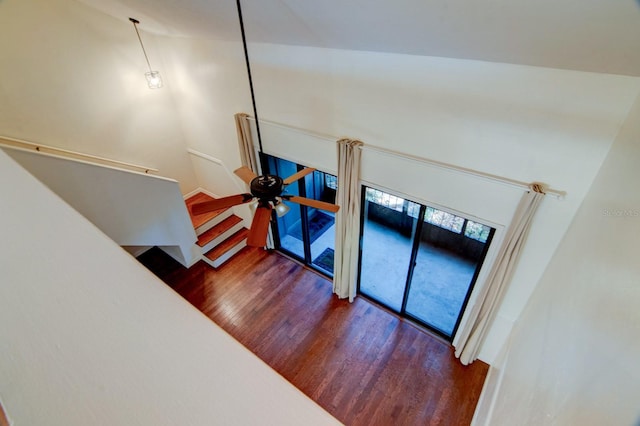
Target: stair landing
x=201, y=219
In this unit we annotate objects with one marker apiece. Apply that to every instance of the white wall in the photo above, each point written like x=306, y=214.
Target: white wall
x=211, y=85
x=90, y=337
x=72, y=77
x=573, y=355
x=524, y=123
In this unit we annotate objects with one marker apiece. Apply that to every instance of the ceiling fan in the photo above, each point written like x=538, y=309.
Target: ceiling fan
x=267, y=192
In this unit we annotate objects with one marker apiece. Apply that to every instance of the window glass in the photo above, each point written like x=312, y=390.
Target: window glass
x=477, y=231
x=444, y=220
x=384, y=199
x=330, y=181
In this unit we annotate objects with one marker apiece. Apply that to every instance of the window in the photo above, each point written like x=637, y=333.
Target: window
x=444, y=220
x=477, y=231
x=384, y=199
x=330, y=181
x=413, y=209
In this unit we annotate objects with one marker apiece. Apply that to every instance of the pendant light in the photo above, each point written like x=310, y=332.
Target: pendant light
x=153, y=77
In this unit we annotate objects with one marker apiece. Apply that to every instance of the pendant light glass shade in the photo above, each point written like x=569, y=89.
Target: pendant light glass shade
x=153, y=79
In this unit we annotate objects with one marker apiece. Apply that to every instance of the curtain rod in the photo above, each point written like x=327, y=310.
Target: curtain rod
x=439, y=164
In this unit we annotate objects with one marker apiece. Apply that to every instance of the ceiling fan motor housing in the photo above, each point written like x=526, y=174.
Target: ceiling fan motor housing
x=267, y=187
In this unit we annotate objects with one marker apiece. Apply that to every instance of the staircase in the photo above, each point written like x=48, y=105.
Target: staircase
x=220, y=233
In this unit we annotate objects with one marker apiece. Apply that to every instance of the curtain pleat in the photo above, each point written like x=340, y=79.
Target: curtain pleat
x=245, y=142
x=347, y=219
x=470, y=339
x=248, y=155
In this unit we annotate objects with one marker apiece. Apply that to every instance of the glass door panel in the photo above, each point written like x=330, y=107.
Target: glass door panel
x=420, y=261
x=387, y=240
x=306, y=233
x=450, y=252
x=290, y=225
x=321, y=223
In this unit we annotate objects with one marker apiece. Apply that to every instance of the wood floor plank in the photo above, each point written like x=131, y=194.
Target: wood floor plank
x=363, y=364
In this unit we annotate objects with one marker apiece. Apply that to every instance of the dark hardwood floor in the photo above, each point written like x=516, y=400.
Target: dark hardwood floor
x=361, y=363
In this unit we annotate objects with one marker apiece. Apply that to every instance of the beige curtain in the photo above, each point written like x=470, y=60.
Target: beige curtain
x=347, y=219
x=245, y=142
x=248, y=154
x=469, y=340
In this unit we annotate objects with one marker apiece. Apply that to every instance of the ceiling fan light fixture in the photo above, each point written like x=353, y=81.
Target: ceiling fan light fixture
x=266, y=195
x=281, y=208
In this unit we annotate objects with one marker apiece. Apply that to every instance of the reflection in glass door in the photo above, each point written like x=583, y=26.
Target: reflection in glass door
x=420, y=261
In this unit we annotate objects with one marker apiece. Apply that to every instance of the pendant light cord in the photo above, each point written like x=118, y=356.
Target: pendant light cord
x=135, y=25
x=253, y=97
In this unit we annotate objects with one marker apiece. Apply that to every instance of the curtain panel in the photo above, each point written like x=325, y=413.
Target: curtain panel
x=347, y=219
x=481, y=316
x=245, y=142
x=248, y=155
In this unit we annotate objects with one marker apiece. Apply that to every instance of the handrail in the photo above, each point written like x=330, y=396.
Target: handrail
x=220, y=163
x=31, y=146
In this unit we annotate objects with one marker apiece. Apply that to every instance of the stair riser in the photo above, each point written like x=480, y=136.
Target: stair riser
x=220, y=260
x=226, y=234
x=213, y=222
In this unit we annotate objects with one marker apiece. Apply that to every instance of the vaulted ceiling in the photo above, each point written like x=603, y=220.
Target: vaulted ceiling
x=588, y=35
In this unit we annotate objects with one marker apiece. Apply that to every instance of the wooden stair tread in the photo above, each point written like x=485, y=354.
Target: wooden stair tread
x=227, y=244
x=218, y=230
x=201, y=219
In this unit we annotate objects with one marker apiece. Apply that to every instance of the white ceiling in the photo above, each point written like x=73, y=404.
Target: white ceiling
x=588, y=35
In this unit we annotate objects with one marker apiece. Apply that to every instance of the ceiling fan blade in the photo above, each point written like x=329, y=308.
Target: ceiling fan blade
x=221, y=203
x=302, y=173
x=312, y=203
x=260, y=226
x=246, y=174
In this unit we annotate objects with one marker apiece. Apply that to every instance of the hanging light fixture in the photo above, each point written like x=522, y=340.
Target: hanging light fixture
x=153, y=77
x=281, y=208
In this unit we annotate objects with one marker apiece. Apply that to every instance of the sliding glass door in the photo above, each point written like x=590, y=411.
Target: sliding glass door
x=306, y=233
x=419, y=261
x=387, y=244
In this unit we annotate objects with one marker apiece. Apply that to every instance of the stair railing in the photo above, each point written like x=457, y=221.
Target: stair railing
x=38, y=147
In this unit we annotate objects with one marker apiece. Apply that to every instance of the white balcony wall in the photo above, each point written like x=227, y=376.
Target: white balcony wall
x=91, y=337
x=133, y=209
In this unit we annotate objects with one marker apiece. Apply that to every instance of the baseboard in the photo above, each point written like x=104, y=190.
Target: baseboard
x=491, y=388
x=197, y=190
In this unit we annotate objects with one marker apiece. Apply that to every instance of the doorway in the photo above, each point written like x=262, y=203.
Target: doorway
x=305, y=233
x=419, y=261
